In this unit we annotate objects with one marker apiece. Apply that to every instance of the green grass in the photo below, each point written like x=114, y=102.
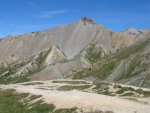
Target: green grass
x=20, y=79
x=70, y=82
x=117, y=86
x=126, y=53
x=146, y=93
x=63, y=110
x=140, y=91
x=107, y=93
x=82, y=74
x=40, y=62
x=91, y=55
x=8, y=102
x=99, y=111
x=11, y=102
x=131, y=91
x=102, y=88
x=131, y=98
x=128, y=94
x=101, y=73
x=69, y=88
x=41, y=108
x=129, y=72
x=123, y=89
x=33, y=83
x=12, y=69
x=97, y=82
x=103, y=70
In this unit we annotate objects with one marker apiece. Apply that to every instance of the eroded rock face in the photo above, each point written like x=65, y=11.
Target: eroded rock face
x=11, y=59
x=55, y=56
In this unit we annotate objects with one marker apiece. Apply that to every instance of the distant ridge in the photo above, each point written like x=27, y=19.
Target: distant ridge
x=131, y=31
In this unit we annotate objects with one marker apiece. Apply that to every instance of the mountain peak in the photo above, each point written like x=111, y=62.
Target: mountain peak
x=131, y=31
x=87, y=20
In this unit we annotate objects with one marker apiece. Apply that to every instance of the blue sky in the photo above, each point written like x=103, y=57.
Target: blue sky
x=23, y=16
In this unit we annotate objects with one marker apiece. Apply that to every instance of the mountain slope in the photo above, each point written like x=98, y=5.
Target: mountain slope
x=128, y=66
x=80, y=50
x=71, y=39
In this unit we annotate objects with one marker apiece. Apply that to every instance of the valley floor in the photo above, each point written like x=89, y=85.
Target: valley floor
x=84, y=96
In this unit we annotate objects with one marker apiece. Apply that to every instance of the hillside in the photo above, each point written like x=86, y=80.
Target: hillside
x=80, y=50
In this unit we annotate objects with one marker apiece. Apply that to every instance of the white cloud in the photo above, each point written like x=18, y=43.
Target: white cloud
x=48, y=14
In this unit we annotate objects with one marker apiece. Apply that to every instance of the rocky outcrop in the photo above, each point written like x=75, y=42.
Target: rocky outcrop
x=55, y=56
